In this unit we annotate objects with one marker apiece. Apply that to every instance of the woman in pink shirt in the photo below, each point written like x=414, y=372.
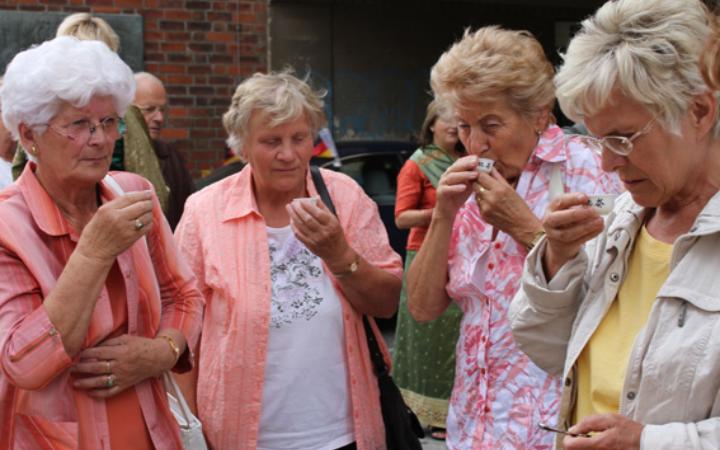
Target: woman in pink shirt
x=283, y=357
x=94, y=304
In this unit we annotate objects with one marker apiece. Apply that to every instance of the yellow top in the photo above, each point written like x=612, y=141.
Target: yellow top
x=602, y=363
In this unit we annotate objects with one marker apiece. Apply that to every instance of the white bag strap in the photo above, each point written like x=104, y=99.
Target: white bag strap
x=172, y=388
x=114, y=185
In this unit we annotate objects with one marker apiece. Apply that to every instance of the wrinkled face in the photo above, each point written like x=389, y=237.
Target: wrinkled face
x=661, y=165
x=493, y=130
x=65, y=153
x=445, y=132
x=279, y=156
x=151, y=99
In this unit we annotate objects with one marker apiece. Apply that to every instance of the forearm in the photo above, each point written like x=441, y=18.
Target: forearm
x=371, y=290
x=427, y=277
x=70, y=304
x=413, y=218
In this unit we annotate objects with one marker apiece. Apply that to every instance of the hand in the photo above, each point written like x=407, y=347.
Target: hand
x=126, y=360
x=568, y=224
x=611, y=432
x=113, y=228
x=455, y=186
x=502, y=207
x=318, y=228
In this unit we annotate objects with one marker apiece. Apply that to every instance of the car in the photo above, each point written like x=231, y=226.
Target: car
x=374, y=165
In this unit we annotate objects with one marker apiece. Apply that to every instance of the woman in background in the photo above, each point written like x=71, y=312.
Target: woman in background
x=424, y=357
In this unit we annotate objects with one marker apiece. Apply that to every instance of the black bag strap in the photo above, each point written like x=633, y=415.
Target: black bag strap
x=381, y=367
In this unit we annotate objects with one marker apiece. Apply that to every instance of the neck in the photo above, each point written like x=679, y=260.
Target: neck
x=272, y=204
x=676, y=216
x=77, y=203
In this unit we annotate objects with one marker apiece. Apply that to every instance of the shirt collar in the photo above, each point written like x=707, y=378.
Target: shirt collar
x=44, y=211
x=240, y=199
x=552, y=145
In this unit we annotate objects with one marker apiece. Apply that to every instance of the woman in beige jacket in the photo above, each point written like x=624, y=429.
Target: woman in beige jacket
x=631, y=319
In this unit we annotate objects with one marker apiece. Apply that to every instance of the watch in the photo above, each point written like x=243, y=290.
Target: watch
x=535, y=240
x=351, y=269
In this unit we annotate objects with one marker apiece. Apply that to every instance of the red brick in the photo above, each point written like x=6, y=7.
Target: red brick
x=220, y=37
x=177, y=14
x=175, y=133
x=171, y=68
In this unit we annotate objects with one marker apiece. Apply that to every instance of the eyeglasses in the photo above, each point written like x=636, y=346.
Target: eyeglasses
x=82, y=130
x=152, y=109
x=620, y=145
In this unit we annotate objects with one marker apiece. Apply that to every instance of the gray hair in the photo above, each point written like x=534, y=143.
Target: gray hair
x=280, y=95
x=648, y=49
x=39, y=80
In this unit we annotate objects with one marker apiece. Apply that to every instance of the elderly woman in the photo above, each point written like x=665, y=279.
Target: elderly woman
x=631, y=318
x=424, y=357
x=283, y=358
x=94, y=304
x=500, y=85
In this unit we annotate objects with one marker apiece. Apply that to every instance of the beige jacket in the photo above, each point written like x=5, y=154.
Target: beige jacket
x=672, y=382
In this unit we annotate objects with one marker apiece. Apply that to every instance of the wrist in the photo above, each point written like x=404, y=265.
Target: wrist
x=170, y=349
x=345, y=265
x=529, y=236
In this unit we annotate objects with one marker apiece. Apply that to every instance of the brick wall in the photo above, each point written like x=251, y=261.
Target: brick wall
x=200, y=49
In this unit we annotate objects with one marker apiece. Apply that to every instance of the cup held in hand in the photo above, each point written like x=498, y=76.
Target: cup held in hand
x=603, y=204
x=485, y=165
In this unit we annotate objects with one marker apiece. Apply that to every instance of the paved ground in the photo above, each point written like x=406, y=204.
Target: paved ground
x=428, y=443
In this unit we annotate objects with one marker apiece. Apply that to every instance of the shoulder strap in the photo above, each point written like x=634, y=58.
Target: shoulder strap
x=378, y=362
x=321, y=187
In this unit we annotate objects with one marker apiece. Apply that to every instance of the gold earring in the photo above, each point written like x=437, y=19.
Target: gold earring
x=33, y=150
x=538, y=133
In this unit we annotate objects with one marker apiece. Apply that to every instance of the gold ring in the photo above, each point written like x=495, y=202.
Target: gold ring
x=139, y=224
x=481, y=189
x=110, y=382
x=107, y=366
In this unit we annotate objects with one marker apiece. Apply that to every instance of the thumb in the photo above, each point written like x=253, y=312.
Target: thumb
x=596, y=423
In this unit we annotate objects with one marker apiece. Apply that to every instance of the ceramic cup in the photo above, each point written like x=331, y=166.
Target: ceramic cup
x=314, y=201
x=603, y=204
x=485, y=165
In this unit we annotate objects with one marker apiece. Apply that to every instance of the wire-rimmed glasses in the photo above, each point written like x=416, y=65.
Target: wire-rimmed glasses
x=81, y=130
x=620, y=145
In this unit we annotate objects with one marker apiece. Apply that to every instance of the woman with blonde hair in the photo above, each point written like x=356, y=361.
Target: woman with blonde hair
x=500, y=84
x=283, y=357
x=627, y=309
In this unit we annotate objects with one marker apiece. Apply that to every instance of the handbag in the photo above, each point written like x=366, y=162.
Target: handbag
x=402, y=427
x=190, y=426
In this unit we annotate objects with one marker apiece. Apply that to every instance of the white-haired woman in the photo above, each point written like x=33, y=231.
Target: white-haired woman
x=500, y=84
x=283, y=358
x=94, y=303
x=631, y=318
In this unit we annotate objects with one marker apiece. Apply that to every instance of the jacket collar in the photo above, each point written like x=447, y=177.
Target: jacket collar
x=552, y=145
x=240, y=198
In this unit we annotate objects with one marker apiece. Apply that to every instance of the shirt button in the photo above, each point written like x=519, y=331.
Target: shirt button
x=491, y=266
x=487, y=408
x=498, y=245
x=52, y=332
x=614, y=277
x=631, y=395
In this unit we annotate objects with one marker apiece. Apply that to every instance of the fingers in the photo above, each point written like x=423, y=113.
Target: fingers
x=99, y=367
x=102, y=352
x=130, y=198
x=595, y=423
x=100, y=382
x=565, y=201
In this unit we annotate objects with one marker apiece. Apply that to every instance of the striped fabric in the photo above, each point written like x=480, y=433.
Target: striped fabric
x=37, y=408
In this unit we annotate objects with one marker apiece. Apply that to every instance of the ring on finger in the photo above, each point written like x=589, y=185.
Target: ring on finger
x=481, y=190
x=110, y=381
x=138, y=224
x=107, y=367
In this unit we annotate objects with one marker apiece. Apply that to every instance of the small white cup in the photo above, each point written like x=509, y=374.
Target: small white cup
x=314, y=201
x=485, y=165
x=603, y=204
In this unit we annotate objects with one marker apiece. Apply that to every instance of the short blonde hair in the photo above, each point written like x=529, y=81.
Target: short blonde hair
x=280, y=95
x=710, y=60
x=648, y=49
x=493, y=63
x=89, y=28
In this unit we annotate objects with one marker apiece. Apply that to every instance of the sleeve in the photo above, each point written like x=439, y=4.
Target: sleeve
x=366, y=232
x=32, y=353
x=542, y=314
x=182, y=302
x=409, y=188
x=703, y=435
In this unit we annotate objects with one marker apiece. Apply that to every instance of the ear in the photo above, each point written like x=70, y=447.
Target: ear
x=28, y=137
x=703, y=113
x=541, y=120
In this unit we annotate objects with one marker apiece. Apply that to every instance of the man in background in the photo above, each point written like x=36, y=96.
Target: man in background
x=151, y=100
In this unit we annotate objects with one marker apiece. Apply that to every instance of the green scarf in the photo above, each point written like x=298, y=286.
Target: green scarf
x=433, y=161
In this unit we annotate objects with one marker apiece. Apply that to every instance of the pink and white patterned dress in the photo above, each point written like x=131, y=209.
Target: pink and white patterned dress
x=500, y=396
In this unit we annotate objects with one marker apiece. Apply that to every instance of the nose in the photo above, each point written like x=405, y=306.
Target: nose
x=611, y=161
x=285, y=153
x=476, y=142
x=97, y=134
